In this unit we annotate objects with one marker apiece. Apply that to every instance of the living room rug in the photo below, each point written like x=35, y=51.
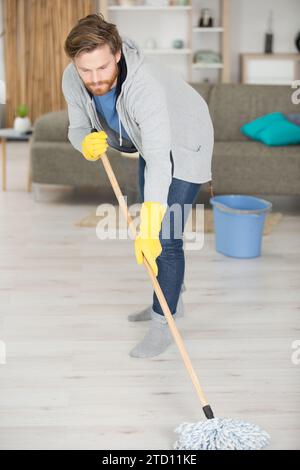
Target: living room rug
x=272, y=219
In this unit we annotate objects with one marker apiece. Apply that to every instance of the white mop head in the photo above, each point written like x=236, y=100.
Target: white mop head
x=221, y=434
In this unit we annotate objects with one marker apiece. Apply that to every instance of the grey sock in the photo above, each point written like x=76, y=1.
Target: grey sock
x=156, y=340
x=146, y=313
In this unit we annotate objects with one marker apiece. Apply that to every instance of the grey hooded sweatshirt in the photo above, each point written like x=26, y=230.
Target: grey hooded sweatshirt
x=161, y=113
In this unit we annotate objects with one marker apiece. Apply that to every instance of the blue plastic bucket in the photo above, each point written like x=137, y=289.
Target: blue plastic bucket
x=239, y=223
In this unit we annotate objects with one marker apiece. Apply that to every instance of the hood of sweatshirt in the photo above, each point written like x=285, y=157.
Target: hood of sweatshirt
x=131, y=59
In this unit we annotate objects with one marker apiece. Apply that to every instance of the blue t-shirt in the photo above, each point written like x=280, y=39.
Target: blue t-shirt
x=106, y=106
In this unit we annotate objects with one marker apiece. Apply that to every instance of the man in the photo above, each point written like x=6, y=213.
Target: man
x=138, y=105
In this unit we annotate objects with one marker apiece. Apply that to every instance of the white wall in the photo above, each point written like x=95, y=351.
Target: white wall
x=2, y=77
x=248, y=25
x=248, y=20
x=1, y=43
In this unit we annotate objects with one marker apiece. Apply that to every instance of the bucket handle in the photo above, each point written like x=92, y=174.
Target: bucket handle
x=224, y=208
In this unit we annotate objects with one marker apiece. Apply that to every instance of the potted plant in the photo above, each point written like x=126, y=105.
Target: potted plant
x=22, y=121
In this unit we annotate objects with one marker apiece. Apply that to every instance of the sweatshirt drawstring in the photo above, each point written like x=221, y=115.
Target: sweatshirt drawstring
x=120, y=133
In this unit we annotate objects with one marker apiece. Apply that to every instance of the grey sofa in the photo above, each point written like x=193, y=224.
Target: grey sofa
x=239, y=165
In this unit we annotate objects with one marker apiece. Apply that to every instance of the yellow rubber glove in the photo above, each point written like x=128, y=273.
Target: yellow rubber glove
x=94, y=145
x=147, y=242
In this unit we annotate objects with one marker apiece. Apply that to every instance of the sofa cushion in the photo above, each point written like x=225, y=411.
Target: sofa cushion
x=60, y=163
x=252, y=167
x=232, y=105
x=52, y=127
x=253, y=149
x=203, y=89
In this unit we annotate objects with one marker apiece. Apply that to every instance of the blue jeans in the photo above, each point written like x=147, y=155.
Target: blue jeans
x=171, y=262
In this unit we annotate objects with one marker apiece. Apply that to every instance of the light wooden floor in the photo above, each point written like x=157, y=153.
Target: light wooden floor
x=68, y=381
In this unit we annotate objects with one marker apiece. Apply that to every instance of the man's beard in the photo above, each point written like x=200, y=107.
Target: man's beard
x=101, y=88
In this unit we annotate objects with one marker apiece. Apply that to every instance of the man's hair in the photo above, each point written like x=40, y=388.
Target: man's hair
x=91, y=32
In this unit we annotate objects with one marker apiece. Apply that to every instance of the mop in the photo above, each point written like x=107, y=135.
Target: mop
x=215, y=433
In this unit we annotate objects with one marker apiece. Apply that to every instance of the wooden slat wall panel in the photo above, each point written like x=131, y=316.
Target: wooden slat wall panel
x=35, y=31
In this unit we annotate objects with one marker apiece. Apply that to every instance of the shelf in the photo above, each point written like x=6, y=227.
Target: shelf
x=199, y=65
x=192, y=34
x=208, y=30
x=167, y=51
x=149, y=7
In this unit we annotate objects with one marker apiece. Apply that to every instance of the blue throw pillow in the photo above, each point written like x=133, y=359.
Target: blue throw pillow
x=272, y=129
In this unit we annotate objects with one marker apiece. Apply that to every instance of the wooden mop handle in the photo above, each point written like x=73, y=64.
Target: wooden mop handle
x=158, y=291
